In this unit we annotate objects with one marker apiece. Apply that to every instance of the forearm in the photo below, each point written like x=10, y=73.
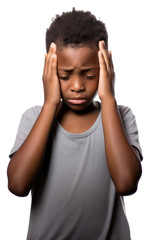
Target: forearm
x=123, y=164
x=26, y=162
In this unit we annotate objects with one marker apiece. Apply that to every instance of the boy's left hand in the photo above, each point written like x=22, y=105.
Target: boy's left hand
x=106, y=75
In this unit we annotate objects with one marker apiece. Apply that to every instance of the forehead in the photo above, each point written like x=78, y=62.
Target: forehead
x=80, y=57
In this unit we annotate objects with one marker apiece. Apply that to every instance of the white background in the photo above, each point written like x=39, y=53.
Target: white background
x=22, y=47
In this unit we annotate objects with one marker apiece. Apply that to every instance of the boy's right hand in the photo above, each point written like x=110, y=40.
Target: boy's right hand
x=51, y=83
x=26, y=162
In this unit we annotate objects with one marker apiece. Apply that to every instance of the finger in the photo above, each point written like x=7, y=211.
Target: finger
x=50, y=58
x=54, y=48
x=103, y=67
x=47, y=56
x=54, y=65
x=110, y=59
x=45, y=65
x=112, y=72
x=111, y=63
x=50, y=51
x=105, y=54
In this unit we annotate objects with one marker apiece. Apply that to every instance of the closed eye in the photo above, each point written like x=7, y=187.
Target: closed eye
x=64, y=78
x=90, y=77
x=85, y=76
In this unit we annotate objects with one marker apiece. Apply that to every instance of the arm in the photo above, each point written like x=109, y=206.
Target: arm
x=123, y=164
x=26, y=162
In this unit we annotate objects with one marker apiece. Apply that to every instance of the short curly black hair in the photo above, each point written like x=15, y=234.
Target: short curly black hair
x=76, y=28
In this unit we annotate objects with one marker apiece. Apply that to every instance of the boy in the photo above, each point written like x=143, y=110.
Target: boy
x=78, y=156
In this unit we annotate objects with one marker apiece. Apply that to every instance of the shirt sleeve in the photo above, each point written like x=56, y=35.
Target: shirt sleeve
x=27, y=121
x=130, y=128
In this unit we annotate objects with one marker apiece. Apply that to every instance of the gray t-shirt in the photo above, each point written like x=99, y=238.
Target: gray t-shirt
x=74, y=197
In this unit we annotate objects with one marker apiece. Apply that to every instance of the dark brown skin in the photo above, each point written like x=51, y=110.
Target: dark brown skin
x=124, y=165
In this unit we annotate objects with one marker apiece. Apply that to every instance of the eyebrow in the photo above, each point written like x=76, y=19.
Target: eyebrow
x=82, y=69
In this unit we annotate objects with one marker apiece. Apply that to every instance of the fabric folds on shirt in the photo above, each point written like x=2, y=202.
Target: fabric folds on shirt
x=74, y=197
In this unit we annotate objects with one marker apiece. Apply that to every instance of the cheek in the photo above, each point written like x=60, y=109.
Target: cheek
x=63, y=87
x=93, y=85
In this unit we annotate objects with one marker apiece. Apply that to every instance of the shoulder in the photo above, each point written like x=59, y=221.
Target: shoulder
x=26, y=123
x=130, y=127
x=126, y=113
x=127, y=116
x=30, y=116
x=32, y=112
x=124, y=110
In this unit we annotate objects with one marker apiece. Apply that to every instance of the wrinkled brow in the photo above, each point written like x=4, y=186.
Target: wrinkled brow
x=82, y=69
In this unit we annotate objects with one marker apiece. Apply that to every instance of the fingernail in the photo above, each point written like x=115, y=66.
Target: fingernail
x=52, y=45
x=103, y=43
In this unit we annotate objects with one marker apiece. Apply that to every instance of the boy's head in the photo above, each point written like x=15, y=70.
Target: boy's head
x=76, y=28
x=76, y=35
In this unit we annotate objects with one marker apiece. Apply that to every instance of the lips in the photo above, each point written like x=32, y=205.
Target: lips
x=77, y=100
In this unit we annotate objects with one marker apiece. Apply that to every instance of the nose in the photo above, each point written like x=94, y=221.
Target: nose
x=77, y=85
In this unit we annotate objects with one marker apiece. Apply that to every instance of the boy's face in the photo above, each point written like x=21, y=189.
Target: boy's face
x=78, y=72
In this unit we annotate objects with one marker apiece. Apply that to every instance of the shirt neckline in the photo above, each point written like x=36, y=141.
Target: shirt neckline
x=83, y=134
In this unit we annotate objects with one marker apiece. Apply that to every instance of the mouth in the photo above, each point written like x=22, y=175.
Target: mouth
x=76, y=101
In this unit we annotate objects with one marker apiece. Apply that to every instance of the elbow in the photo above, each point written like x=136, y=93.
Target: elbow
x=127, y=186
x=17, y=189
x=126, y=190
x=16, y=185
x=128, y=183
